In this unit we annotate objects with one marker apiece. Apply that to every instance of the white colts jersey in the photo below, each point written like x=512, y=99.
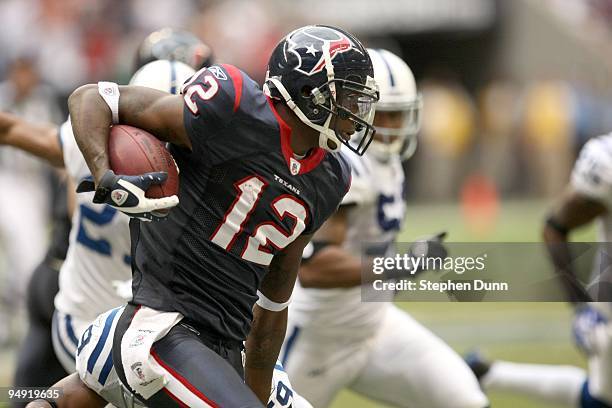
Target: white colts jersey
x=373, y=223
x=98, y=259
x=592, y=178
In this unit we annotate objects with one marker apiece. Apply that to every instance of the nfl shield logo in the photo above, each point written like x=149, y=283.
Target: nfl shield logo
x=294, y=166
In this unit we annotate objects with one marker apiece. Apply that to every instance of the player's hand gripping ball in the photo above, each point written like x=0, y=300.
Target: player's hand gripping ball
x=143, y=182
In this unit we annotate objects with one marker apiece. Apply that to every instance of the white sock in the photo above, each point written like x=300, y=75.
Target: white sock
x=556, y=384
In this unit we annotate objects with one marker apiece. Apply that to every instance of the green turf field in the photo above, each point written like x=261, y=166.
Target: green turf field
x=527, y=332
x=522, y=332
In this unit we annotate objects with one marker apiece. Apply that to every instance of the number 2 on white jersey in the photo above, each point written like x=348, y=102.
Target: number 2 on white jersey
x=266, y=233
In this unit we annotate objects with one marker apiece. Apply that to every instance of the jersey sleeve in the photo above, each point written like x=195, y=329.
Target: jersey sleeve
x=73, y=158
x=592, y=173
x=211, y=98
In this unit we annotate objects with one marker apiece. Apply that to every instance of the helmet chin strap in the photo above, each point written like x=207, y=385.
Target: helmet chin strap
x=325, y=132
x=324, y=138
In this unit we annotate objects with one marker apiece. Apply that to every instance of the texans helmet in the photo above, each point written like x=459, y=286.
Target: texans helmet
x=398, y=94
x=175, y=45
x=322, y=73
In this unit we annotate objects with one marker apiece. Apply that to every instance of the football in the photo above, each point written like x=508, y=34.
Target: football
x=133, y=151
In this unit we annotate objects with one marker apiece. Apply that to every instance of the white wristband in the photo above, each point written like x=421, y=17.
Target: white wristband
x=109, y=91
x=267, y=304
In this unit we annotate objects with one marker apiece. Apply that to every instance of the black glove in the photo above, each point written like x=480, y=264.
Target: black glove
x=429, y=247
x=127, y=194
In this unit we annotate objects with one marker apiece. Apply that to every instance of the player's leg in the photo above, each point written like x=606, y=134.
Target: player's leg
x=587, y=400
x=410, y=367
x=193, y=367
x=566, y=386
x=556, y=384
x=185, y=367
x=95, y=363
x=37, y=365
x=96, y=369
x=559, y=385
x=320, y=365
x=283, y=393
x=72, y=394
x=66, y=332
x=597, y=392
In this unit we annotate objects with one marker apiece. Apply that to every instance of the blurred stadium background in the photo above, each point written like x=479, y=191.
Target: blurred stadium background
x=512, y=89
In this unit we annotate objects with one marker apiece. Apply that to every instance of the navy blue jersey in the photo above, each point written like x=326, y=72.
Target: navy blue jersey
x=243, y=197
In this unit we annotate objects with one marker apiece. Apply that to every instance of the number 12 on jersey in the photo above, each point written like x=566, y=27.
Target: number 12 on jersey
x=266, y=233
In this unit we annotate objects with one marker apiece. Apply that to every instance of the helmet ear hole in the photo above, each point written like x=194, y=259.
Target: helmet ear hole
x=306, y=91
x=314, y=101
x=314, y=111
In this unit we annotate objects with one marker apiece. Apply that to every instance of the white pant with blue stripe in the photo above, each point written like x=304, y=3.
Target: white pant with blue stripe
x=403, y=365
x=95, y=360
x=66, y=332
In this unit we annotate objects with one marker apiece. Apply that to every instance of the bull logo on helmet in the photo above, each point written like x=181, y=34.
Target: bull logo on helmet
x=307, y=44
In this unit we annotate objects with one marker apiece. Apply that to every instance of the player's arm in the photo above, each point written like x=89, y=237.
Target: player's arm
x=41, y=140
x=159, y=113
x=587, y=197
x=331, y=266
x=73, y=394
x=270, y=318
x=71, y=197
x=574, y=210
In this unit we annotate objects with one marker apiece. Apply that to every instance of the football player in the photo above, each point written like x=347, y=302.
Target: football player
x=35, y=366
x=103, y=279
x=260, y=172
x=92, y=268
x=334, y=340
x=588, y=198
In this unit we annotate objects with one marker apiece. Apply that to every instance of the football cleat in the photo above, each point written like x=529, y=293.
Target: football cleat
x=477, y=363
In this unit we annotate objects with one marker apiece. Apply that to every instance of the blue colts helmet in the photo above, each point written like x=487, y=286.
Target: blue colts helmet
x=399, y=95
